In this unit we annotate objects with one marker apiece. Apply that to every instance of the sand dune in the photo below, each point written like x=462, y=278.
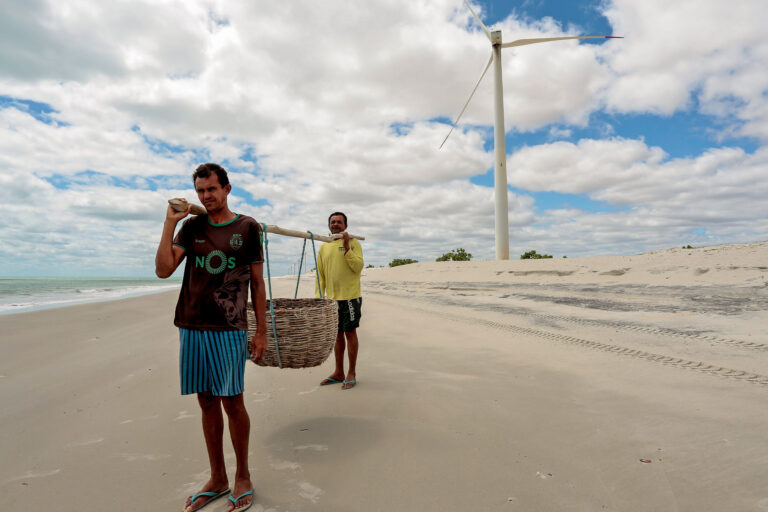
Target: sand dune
x=619, y=383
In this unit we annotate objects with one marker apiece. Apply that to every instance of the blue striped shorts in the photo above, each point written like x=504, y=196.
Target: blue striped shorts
x=212, y=361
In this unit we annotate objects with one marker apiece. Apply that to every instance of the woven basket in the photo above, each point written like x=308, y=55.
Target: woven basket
x=306, y=331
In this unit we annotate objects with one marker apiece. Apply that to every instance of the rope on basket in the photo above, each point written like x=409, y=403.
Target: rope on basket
x=271, y=302
x=317, y=272
x=301, y=261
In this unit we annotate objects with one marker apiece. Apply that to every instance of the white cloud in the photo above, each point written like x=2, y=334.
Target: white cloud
x=717, y=197
x=77, y=40
x=28, y=145
x=674, y=52
x=585, y=167
x=627, y=172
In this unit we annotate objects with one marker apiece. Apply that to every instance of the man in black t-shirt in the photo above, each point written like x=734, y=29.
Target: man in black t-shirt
x=224, y=254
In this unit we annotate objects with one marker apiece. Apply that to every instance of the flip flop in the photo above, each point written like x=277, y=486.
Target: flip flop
x=327, y=381
x=235, y=500
x=213, y=496
x=349, y=384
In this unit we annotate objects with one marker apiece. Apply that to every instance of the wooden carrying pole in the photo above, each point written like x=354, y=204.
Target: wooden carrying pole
x=303, y=234
x=180, y=205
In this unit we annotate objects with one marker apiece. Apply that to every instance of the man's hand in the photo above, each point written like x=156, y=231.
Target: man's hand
x=257, y=346
x=345, y=236
x=173, y=216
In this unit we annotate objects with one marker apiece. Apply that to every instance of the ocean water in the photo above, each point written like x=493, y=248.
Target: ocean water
x=18, y=294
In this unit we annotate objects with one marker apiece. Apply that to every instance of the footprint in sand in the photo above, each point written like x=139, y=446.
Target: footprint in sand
x=34, y=474
x=183, y=415
x=312, y=447
x=285, y=465
x=86, y=443
x=543, y=476
x=310, y=492
x=310, y=391
x=145, y=418
x=132, y=457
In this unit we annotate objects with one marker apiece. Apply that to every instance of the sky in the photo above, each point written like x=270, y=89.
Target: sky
x=614, y=147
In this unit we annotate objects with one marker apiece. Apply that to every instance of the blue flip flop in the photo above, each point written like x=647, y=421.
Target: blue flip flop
x=235, y=500
x=349, y=384
x=212, y=495
x=326, y=381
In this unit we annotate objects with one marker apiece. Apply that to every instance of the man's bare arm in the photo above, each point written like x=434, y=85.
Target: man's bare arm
x=258, y=344
x=169, y=256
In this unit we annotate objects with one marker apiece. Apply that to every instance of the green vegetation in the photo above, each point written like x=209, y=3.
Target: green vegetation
x=533, y=255
x=401, y=261
x=456, y=255
x=687, y=246
x=369, y=266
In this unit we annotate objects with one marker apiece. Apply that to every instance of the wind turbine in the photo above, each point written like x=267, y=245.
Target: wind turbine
x=500, y=150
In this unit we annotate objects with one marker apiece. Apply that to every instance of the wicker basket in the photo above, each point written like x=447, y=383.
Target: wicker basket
x=306, y=331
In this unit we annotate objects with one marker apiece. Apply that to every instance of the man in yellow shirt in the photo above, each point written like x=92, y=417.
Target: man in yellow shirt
x=339, y=264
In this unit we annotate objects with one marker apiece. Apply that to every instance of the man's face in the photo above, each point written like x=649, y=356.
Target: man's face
x=337, y=224
x=211, y=193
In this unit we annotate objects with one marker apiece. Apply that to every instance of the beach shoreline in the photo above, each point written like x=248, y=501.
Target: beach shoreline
x=24, y=294
x=84, y=291
x=543, y=385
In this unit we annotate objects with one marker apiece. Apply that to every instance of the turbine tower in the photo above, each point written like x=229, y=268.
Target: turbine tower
x=499, y=144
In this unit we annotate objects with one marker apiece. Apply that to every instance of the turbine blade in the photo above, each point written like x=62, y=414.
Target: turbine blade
x=523, y=42
x=485, y=29
x=467, y=103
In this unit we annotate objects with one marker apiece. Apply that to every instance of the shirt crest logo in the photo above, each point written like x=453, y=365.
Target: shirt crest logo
x=236, y=241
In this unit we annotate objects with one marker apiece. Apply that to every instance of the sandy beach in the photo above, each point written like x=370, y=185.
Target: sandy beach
x=632, y=383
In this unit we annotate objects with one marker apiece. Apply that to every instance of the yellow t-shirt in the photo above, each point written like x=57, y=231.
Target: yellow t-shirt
x=339, y=272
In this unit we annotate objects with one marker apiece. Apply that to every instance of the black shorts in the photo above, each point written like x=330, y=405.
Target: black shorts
x=349, y=314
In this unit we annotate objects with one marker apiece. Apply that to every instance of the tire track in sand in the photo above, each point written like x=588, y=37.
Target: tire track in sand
x=675, y=362
x=661, y=331
x=626, y=326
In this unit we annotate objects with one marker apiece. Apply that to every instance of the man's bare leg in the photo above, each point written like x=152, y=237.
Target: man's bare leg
x=213, y=431
x=352, y=345
x=239, y=431
x=338, y=353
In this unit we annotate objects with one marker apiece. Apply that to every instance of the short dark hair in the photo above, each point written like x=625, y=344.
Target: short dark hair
x=338, y=213
x=205, y=170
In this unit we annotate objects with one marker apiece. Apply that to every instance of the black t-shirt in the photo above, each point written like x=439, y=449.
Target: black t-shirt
x=214, y=292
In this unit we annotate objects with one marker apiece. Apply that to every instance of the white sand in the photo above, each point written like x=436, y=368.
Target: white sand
x=521, y=385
